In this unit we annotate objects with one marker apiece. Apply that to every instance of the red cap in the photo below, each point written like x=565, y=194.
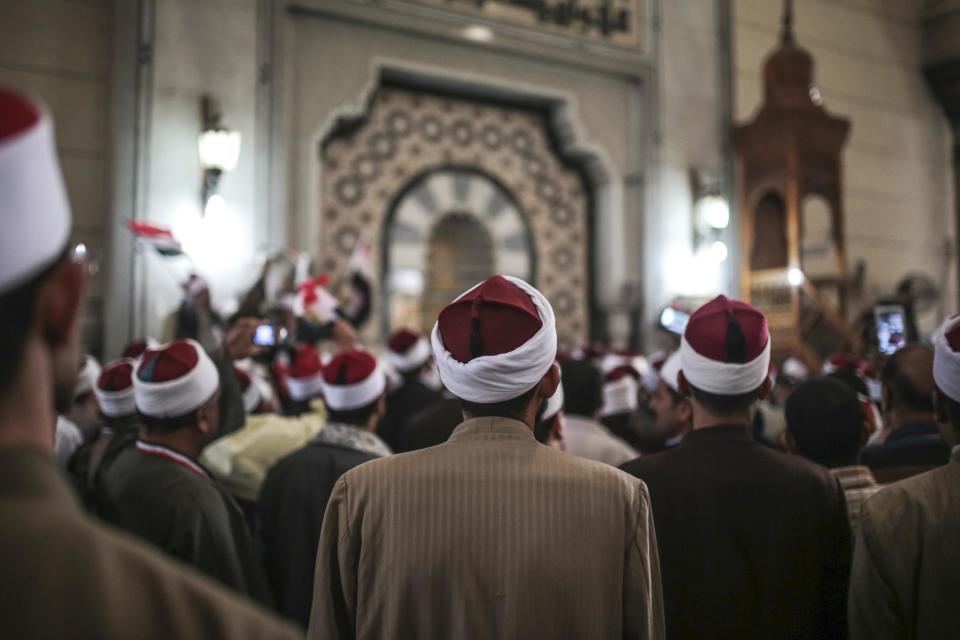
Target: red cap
x=728, y=331
x=402, y=340
x=352, y=380
x=349, y=367
x=116, y=376
x=495, y=317
x=306, y=363
x=169, y=362
x=17, y=113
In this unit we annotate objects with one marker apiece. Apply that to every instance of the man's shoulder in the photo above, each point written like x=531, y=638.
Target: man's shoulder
x=559, y=464
x=755, y=458
x=93, y=597
x=937, y=488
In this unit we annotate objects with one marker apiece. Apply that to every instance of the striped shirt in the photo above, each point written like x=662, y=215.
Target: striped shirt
x=858, y=484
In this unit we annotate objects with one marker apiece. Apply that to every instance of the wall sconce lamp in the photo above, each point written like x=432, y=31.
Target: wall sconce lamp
x=711, y=219
x=711, y=216
x=219, y=147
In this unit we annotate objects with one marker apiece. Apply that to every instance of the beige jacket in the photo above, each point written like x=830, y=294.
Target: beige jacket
x=906, y=561
x=66, y=577
x=490, y=535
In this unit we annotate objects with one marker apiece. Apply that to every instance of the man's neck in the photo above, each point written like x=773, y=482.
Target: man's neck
x=180, y=441
x=703, y=419
x=27, y=416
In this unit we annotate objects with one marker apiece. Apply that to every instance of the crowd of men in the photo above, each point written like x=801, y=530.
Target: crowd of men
x=267, y=475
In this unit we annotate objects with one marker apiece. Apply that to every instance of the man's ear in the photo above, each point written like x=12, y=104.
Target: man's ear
x=683, y=387
x=60, y=303
x=550, y=381
x=686, y=411
x=205, y=422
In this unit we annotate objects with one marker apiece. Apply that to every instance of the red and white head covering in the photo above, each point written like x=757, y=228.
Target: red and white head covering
x=314, y=302
x=670, y=370
x=946, y=358
x=115, y=389
x=249, y=390
x=353, y=379
x=725, y=348
x=87, y=376
x=34, y=209
x=408, y=350
x=174, y=379
x=496, y=341
x=305, y=374
x=620, y=391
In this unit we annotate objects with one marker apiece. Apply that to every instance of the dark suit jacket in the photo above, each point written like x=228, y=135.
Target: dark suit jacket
x=66, y=576
x=292, y=502
x=910, y=449
x=186, y=514
x=753, y=543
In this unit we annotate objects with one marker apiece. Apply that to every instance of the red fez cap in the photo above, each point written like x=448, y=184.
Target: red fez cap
x=726, y=348
x=352, y=380
x=727, y=331
x=116, y=376
x=402, y=340
x=174, y=379
x=493, y=318
x=17, y=113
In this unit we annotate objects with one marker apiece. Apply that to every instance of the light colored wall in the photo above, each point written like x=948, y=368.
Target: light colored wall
x=201, y=47
x=58, y=51
x=897, y=193
x=690, y=139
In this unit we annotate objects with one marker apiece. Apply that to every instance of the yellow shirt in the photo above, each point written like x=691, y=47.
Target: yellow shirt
x=240, y=461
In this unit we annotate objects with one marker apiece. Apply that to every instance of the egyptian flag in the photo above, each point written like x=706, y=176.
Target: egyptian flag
x=157, y=237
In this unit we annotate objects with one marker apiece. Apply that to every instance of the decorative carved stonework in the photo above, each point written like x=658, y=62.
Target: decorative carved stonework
x=372, y=165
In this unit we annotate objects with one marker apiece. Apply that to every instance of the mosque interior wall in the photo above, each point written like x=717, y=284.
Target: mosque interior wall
x=650, y=120
x=898, y=200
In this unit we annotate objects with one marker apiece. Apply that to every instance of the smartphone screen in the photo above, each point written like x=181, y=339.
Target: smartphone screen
x=265, y=336
x=674, y=320
x=891, y=328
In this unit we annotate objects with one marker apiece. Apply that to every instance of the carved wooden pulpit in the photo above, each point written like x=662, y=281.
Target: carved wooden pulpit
x=791, y=204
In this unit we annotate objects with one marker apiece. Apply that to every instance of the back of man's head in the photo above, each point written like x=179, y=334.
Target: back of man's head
x=582, y=387
x=826, y=422
x=353, y=385
x=725, y=359
x=908, y=380
x=495, y=347
x=175, y=386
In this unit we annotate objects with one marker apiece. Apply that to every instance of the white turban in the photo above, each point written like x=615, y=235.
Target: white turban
x=501, y=377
